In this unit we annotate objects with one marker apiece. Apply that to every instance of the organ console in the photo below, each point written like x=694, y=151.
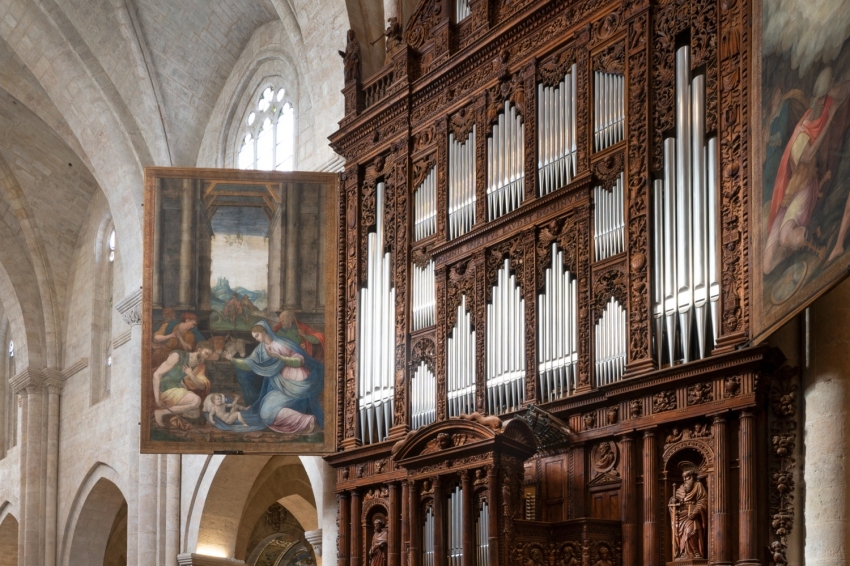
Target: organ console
x=544, y=292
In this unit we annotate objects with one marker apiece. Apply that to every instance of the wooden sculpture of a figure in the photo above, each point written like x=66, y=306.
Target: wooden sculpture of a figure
x=689, y=514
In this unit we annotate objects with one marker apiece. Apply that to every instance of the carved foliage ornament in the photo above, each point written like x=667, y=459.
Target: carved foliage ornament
x=552, y=70
x=610, y=283
x=611, y=60
x=783, y=430
x=513, y=250
x=461, y=124
x=423, y=351
x=663, y=401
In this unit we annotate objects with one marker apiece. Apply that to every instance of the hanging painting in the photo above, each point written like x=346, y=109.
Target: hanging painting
x=239, y=312
x=801, y=132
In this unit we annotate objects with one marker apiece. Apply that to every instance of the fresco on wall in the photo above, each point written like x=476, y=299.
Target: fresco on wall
x=236, y=287
x=801, y=191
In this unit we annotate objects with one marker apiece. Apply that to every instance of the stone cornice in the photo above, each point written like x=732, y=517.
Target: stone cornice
x=191, y=559
x=130, y=308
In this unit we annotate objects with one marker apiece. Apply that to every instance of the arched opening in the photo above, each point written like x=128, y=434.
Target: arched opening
x=258, y=508
x=8, y=541
x=100, y=531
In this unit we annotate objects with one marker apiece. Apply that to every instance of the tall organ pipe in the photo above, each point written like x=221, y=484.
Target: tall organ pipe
x=556, y=133
x=505, y=163
x=505, y=344
x=428, y=539
x=608, y=109
x=482, y=535
x=455, y=546
x=610, y=340
x=462, y=10
x=423, y=297
x=461, y=364
x=423, y=397
x=376, y=345
x=557, y=334
x=425, y=207
x=461, y=185
x=685, y=301
x=608, y=220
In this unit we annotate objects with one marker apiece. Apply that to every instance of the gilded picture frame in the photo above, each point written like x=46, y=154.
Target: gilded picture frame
x=239, y=308
x=800, y=132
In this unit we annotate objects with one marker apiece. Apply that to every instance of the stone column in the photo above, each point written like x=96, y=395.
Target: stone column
x=291, y=300
x=651, y=531
x=825, y=425
x=156, y=291
x=720, y=522
x=174, y=468
x=344, y=528
x=747, y=514
x=185, y=296
x=356, y=542
x=315, y=540
x=440, y=539
x=628, y=501
x=54, y=387
x=394, y=527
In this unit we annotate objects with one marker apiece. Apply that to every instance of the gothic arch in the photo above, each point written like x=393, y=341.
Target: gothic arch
x=8, y=536
x=91, y=517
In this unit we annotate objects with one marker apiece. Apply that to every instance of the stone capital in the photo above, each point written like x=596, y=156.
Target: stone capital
x=192, y=559
x=32, y=380
x=130, y=308
x=315, y=540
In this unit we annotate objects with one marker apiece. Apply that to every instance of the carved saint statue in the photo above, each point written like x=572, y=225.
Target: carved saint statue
x=604, y=557
x=569, y=557
x=689, y=514
x=393, y=35
x=351, y=58
x=535, y=557
x=378, y=550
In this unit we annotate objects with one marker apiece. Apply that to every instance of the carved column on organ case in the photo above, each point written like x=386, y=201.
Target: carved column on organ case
x=479, y=324
x=343, y=549
x=356, y=544
x=414, y=523
x=442, y=178
x=405, y=522
x=529, y=120
x=748, y=550
x=637, y=195
x=493, y=494
x=393, y=524
x=352, y=289
x=582, y=110
x=628, y=501
x=578, y=481
x=480, y=109
x=440, y=347
x=401, y=255
x=720, y=524
x=529, y=291
x=440, y=532
x=468, y=524
x=651, y=530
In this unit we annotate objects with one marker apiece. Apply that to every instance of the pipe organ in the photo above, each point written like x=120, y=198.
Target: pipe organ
x=505, y=163
x=557, y=352
x=609, y=109
x=687, y=288
x=618, y=269
x=377, y=335
x=556, y=137
x=505, y=345
x=461, y=364
x=608, y=221
x=461, y=185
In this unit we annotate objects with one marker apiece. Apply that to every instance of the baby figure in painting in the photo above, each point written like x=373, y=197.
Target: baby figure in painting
x=216, y=405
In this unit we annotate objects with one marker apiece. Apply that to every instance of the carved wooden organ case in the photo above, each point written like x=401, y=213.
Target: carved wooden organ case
x=544, y=293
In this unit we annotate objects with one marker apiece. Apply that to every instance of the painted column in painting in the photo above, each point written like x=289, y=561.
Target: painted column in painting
x=156, y=291
x=187, y=208
x=290, y=248
x=275, y=258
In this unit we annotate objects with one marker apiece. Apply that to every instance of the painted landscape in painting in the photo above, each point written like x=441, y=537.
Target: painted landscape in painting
x=801, y=202
x=236, y=343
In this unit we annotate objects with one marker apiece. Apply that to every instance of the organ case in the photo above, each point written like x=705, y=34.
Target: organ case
x=562, y=215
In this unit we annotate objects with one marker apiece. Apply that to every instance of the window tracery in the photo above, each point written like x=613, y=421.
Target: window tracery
x=267, y=135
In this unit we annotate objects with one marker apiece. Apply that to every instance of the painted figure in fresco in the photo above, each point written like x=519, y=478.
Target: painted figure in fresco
x=216, y=406
x=689, y=515
x=248, y=307
x=311, y=341
x=180, y=384
x=282, y=383
x=378, y=550
x=233, y=308
x=806, y=166
x=173, y=335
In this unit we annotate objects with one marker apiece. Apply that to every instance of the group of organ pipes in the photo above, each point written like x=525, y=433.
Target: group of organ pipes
x=520, y=346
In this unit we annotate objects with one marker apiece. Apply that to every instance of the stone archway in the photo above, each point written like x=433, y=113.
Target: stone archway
x=8, y=540
x=97, y=527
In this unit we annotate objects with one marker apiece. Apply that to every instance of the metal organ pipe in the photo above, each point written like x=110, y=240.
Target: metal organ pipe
x=423, y=397
x=556, y=133
x=376, y=345
x=482, y=535
x=610, y=334
x=608, y=220
x=685, y=273
x=462, y=10
x=423, y=298
x=428, y=539
x=557, y=334
x=461, y=364
x=461, y=185
x=505, y=344
x=609, y=109
x=505, y=163
x=455, y=546
x=425, y=207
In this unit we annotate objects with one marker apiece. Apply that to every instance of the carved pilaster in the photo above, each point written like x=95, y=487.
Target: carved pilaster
x=356, y=552
x=628, y=501
x=721, y=492
x=651, y=498
x=343, y=521
x=748, y=550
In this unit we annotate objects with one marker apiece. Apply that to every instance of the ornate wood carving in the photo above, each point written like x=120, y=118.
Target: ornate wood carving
x=551, y=70
x=607, y=284
x=783, y=430
x=607, y=171
x=423, y=350
x=460, y=124
x=664, y=401
x=613, y=58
